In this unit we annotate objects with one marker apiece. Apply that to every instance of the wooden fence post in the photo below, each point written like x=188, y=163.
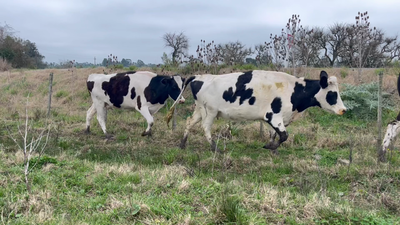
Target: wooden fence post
x=50, y=92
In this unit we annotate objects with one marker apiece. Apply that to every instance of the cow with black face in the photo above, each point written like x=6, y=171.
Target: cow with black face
x=144, y=91
x=273, y=97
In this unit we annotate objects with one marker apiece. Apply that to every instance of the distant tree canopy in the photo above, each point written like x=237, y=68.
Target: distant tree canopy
x=350, y=45
x=20, y=53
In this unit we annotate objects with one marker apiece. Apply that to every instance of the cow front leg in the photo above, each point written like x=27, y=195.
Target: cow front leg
x=279, y=127
x=89, y=115
x=150, y=120
x=191, y=121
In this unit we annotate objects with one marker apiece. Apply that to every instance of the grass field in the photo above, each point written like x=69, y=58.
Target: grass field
x=84, y=179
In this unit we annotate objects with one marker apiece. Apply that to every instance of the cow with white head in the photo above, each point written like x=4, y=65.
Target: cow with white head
x=274, y=97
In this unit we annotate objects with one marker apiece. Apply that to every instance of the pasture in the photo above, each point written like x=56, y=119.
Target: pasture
x=84, y=179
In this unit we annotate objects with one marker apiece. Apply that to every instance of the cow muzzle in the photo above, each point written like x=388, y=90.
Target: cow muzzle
x=341, y=111
x=182, y=100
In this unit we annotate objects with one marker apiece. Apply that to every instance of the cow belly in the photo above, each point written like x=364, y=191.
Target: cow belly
x=240, y=114
x=154, y=108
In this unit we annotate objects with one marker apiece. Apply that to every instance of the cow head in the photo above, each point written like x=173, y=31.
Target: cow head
x=175, y=85
x=328, y=96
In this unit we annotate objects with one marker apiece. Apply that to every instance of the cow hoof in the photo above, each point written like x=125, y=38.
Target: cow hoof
x=214, y=148
x=271, y=146
x=183, y=143
x=146, y=134
x=109, y=137
x=274, y=151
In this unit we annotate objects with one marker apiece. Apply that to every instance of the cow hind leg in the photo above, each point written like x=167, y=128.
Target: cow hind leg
x=102, y=118
x=392, y=130
x=191, y=121
x=150, y=120
x=89, y=116
x=207, y=123
x=279, y=127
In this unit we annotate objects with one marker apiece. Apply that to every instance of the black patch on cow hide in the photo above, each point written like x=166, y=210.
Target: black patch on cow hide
x=276, y=105
x=331, y=97
x=323, y=81
x=268, y=116
x=241, y=90
x=189, y=80
x=398, y=117
x=304, y=96
x=159, y=88
x=133, y=93
x=252, y=100
x=90, y=85
x=139, y=103
x=196, y=86
x=116, y=88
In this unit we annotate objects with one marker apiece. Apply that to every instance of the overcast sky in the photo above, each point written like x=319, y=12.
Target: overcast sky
x=83, y=29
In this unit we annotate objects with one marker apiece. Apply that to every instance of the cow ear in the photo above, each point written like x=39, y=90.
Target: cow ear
x=323, y=81
x=166, y=80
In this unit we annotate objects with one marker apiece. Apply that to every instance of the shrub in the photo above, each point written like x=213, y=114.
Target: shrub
x=133, y=68
x=118, y=66
x=362, y=101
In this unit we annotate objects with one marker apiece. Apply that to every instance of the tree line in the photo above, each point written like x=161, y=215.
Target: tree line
x=17, y=52
x=357, y=45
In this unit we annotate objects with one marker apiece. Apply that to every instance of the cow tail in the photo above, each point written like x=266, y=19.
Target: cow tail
x=172, y=108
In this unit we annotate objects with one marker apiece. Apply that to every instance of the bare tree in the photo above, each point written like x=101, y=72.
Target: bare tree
x=283, y=45
x=306, y=47
x=6, y=30
x=364, y=36
x=277, y=47
x=234, y=52
x=263, y=56
x=333, y=42
x=179, y=44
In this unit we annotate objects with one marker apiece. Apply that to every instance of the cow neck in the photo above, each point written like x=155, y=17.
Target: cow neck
x=303, y=96
x=156, y=92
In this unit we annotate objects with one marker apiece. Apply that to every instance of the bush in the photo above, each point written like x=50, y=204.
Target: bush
x=118, y=66
x=362, y=101
x=133, y=68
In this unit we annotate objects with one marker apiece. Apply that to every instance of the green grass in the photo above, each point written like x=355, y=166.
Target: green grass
x=82, y=178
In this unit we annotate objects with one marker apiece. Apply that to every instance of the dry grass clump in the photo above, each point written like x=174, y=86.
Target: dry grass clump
x=4, y=64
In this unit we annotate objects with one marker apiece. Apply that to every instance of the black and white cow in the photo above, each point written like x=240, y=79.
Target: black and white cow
x=393, y=128
x=144, y=91
x=274, y=97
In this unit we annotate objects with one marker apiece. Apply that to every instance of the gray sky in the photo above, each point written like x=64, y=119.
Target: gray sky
x=83, y=29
